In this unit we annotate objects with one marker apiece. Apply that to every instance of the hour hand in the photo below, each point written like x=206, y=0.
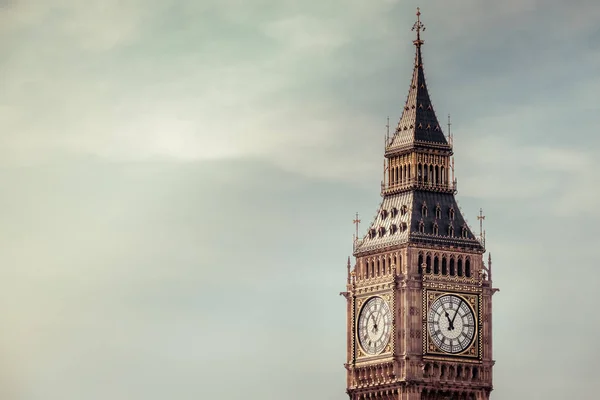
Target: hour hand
x=450, y=325
x=374, y=324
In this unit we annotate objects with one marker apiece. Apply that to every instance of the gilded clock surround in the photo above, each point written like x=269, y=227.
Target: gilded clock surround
x=430, y=350
x=417, y=248
x=360, y=353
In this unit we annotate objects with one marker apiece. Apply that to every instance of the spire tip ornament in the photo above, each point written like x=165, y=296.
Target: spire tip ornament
x=418, y=26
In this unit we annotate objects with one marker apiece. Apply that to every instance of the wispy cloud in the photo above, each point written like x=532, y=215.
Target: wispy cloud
x=174, y=172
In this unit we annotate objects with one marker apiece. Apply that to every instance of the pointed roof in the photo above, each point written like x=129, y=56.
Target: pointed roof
x=419, y=217
x=418, y=124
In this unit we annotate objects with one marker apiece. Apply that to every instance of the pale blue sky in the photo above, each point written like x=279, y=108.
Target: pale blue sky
x=180, y=178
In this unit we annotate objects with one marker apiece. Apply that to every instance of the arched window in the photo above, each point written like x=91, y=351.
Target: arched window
x=420, y=268
x=428, y=264
x=438, y=212
x=459, y=265
x=431, y=176
x=444, y=266
x=450, y=230
x=422, y=227
x=436, y=265
x=424, y=210
x=436, y=230
x=451, y=214
x=452, y=271
x=468, y=268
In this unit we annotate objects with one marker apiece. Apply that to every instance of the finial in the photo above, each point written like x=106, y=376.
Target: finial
x=449, y=132
x=387, y=135
x=481, y=217
x=356, y=222
x=418, y=26
x=348, y=269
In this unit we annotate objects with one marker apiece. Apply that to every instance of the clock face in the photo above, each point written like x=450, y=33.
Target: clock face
x=374, y=325
x=451, y=323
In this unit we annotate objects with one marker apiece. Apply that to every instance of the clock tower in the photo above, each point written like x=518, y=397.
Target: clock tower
x=419, y=295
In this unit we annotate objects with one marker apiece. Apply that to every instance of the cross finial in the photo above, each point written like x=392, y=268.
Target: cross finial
x=388, y=127
x=481, y=217
x=418, y=26
x=356, y=222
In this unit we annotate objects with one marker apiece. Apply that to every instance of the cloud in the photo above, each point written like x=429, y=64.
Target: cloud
x=85, y=26
x=172, y=171
x=253, y=107
x=203, y=105
x=307, y=33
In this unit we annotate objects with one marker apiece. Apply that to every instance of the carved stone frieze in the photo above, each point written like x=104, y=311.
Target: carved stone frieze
x=452, y=287
x=431, y=277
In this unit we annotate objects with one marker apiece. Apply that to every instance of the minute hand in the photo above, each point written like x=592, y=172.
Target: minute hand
x=456, y=313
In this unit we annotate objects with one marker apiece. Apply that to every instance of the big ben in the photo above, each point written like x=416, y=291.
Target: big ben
x=419, y=295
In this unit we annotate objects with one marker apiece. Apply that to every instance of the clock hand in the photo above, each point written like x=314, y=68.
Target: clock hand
x=374, y=323
x=457, y=310
x=379, y=312
x=450, y=326
x=378, y=320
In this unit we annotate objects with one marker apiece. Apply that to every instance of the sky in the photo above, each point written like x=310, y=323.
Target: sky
x=179, y=180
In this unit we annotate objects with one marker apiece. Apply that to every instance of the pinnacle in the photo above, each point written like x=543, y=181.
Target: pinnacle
x=418, y=124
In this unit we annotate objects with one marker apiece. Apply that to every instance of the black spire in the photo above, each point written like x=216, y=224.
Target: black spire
x=418, y=124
